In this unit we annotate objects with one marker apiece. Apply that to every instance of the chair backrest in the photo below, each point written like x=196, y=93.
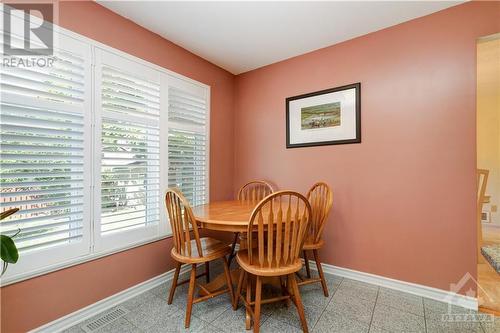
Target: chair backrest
x=279, y=222
x=255, y=191
x=182, y=220
x=320, y=197
x=482, y=182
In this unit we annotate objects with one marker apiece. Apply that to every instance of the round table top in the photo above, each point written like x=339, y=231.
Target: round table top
x=230, y=215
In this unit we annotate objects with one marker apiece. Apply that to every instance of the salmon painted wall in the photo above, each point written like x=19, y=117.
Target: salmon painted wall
x=404, y=199
x=32, y=303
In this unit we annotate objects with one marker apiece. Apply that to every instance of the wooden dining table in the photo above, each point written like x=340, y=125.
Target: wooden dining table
x=231, y=216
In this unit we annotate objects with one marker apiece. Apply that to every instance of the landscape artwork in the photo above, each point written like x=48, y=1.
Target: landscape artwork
x=320, y=116
x=326, y=117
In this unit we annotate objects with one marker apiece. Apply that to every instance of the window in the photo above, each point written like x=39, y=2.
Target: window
x=187, y=140
x=45, y=141
x=88, y=149
x=130, y=167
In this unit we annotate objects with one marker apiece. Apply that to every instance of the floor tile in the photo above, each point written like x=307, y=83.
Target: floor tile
x=402, y=301
x=375, y=329
x=434, y=326
x=291, y=316
x=162, y=290
x=356, y=289
x=392, y=319
x=273, y=326
x=135, y=302
x=435, y=310
x=234, y=321
x=208, y=328
x=491, y=326
x=74, y=329
x=315, y=296
x=151, y=312
x=175, y=323
x=336, y=322
x=209, y=309
x=356, y=308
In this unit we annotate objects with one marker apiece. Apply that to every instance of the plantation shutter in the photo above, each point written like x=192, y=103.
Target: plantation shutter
x=129, y=172
x=188, y=139
x=45, y=141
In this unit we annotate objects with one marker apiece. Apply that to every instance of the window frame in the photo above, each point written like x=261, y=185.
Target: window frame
x=16, y=275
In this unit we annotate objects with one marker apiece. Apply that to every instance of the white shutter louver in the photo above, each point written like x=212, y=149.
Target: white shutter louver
x=187, y=142
x=130, y=150
x=44, y=142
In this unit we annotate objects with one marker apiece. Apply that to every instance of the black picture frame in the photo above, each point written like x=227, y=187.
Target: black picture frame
x=357, y=139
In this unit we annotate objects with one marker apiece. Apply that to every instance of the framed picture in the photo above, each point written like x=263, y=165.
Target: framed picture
x=326, y=117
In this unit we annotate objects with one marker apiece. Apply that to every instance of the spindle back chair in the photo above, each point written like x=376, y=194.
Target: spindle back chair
x=253, y=191
x=320, y=197
x=189, y=248
x=278, y=225
x=482, y=182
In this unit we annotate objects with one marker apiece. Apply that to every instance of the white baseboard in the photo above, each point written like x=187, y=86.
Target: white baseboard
x=407, y=287
x=91, y=310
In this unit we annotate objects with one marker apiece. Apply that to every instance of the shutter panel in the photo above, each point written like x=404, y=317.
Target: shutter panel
x=187, y=140
x=130, y=151
x=45, y=129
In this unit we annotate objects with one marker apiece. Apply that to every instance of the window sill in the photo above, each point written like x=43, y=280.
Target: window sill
x=74, y=262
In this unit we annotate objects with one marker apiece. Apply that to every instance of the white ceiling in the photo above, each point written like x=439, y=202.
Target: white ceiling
x=241, y=36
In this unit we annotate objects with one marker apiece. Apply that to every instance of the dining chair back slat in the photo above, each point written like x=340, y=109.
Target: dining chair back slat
x=182, y=222
x=320, y=197
x=279, y=240
x=255, y=191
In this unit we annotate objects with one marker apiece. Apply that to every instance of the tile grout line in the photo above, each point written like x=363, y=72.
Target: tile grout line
x=425, y=316
x=373, y=311
x=331, y=298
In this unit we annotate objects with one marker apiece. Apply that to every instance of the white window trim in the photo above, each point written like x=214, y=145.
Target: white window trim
x=7, y=280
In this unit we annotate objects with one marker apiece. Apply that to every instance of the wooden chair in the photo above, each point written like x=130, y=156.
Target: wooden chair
x=482, y=182
x=321, y=198
x=279, y=224
x=192, y=250
x=253, y=191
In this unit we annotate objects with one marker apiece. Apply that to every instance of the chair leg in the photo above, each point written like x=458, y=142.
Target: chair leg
x=248, y=318
x=238, y=289
x=174, y=283
x=320, y=272
x=233, y=248
x=306, y=261
x=284, y=291
x=298, y=302
x=192, y=281
x=256, y=318
x=228, y=279
x=207, y=271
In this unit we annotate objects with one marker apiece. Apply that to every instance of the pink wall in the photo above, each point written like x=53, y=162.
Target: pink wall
x=34, y=302
x=404, y=199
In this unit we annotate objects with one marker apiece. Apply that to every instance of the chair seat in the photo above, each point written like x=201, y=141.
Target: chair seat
x=313, y=246
x=211, y=248
x=244, y=262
